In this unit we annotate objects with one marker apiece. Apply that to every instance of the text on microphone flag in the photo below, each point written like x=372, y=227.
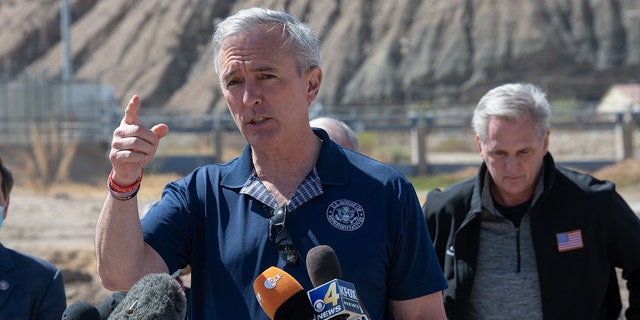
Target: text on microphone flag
x=335, y=297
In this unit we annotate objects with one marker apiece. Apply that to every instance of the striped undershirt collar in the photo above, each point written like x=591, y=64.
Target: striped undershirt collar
x=310, y=188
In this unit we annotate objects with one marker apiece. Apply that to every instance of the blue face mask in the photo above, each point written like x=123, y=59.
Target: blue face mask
x=1, y=216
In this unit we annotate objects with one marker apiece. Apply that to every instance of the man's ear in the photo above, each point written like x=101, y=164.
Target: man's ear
x=546, y=141
x=478, y=143
x=314, y=79
x=6, y=207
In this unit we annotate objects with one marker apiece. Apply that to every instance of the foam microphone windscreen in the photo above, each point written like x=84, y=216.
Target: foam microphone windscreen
x=323, y=265
x=281, y=296
x=156, y=296
x=81, y=311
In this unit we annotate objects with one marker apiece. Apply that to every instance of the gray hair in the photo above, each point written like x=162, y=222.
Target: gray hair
x=338, y=131
x=513, y=101
x=297, y=36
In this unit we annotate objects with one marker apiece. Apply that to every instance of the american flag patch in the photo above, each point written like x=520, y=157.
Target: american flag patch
x=571, y=240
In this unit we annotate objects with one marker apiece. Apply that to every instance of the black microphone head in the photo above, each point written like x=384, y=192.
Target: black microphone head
x=156, y=296
x=323, y=265
x=81, y=311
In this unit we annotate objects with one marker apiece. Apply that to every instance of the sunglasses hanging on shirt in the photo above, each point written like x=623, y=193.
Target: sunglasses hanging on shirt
x=284, y=243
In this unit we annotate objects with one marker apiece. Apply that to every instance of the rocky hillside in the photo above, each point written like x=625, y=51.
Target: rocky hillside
x=375, y=52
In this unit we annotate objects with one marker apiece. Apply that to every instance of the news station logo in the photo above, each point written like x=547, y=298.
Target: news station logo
x=269, y=283
x=333, y=298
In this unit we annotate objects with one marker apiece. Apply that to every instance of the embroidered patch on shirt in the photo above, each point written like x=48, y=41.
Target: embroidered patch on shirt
x=571, y=240
x=345, y=215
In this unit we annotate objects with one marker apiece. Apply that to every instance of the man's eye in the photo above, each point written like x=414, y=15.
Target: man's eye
x=524, y=153
x=267, y=76
x=232, y=83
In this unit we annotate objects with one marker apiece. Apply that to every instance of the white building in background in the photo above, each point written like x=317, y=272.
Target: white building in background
x=620, y=98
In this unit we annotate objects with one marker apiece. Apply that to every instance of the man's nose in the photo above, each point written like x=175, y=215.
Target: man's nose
x=511, y=163
x=252, y=94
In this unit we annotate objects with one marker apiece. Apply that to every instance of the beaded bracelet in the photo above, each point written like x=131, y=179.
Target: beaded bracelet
x=120, y=189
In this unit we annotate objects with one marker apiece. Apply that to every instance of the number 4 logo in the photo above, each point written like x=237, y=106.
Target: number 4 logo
x=332, y=296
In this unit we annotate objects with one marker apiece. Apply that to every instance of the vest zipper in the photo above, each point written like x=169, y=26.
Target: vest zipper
x=518, y=248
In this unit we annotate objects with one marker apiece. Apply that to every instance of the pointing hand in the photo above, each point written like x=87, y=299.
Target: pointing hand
x=133, y=145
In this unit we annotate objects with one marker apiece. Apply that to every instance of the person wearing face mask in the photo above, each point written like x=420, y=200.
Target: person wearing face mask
x=30, y=287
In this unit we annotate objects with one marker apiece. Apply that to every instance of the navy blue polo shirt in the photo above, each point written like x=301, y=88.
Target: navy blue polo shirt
x=368, y=213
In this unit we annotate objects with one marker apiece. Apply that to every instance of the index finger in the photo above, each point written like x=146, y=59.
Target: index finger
x=131, y=111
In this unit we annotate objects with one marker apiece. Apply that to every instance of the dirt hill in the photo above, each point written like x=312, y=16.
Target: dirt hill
x=375, y=53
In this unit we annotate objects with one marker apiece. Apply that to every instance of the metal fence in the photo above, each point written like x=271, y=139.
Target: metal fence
x=88, y=113
x=82, y=112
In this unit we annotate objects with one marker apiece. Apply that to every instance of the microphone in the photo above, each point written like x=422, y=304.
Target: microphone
x=332, y=297
x=281, y=296
x=81, y=311
x=156, y=296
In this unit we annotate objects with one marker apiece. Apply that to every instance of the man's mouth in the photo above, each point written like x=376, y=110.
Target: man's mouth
x=258, y=120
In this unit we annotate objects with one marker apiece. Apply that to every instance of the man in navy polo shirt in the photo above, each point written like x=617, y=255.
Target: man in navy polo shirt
x=218, y=218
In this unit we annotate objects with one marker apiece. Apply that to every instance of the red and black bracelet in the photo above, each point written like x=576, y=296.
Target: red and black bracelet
x=123, y=193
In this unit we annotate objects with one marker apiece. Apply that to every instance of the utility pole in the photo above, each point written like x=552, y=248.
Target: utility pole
x=65, y=42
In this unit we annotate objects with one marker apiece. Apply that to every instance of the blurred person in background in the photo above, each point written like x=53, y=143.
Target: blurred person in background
x=526, y=238
x=30, y=287
x=338, y=131
x=291, y=190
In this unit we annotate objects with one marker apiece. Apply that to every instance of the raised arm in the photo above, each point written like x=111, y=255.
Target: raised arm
x=122, y=255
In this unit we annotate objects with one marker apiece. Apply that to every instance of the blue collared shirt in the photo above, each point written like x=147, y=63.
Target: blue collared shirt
x=367, y=212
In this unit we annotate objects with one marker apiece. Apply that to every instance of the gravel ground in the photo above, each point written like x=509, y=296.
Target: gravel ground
x=61, y=229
